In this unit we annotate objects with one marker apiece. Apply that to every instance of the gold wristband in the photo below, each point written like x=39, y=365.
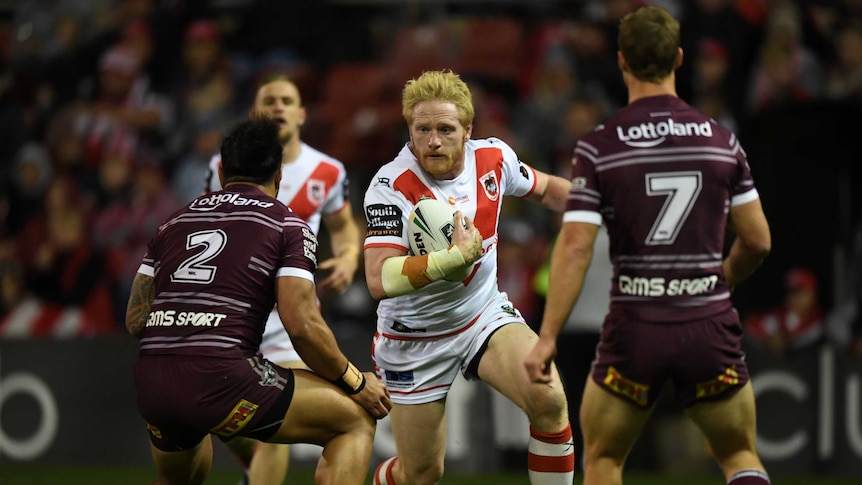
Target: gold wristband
x=352, y=381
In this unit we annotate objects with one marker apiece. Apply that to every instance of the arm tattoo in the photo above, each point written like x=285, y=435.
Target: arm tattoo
x=140, y=300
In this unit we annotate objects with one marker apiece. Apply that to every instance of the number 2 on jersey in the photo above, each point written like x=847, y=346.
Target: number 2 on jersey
x=193, y=269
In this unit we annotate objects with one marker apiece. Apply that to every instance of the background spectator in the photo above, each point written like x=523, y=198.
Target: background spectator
x=126, y=115
x=844, y=77
x=202, y=87
x=124, y=225
x=795, y=324
x=189, y=177
x=67, y=270
x=788, y=69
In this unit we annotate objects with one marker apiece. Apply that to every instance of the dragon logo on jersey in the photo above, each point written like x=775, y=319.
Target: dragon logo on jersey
x=316, y=191
x=489, y=183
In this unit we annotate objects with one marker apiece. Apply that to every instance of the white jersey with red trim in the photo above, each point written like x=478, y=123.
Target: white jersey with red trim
x=491, y=170
x=311, y=185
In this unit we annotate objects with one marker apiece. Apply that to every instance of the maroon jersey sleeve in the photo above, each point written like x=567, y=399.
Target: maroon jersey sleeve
x=294, y=262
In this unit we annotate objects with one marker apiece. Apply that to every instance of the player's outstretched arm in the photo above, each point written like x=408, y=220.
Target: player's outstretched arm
x=316, y=345
x=570, y=260
x=551, y=191
x=389, y=272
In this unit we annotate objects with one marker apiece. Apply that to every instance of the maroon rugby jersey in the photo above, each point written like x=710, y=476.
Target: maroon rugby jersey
x=215, y=263
x=662, y=176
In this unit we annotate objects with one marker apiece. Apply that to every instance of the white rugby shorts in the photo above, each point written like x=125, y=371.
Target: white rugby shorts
x=419, y=370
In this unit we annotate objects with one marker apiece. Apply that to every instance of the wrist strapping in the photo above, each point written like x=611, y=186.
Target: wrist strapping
x=443, y=262
x=351, y=381
x=403, y=274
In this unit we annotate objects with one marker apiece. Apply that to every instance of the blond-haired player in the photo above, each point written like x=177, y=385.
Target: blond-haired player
x=428, y=328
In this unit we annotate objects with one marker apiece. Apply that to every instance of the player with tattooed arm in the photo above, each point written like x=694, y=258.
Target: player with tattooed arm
x=315, y=187
x=198, y=305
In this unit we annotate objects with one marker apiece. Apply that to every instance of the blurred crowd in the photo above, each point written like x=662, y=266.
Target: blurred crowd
x=111, y=110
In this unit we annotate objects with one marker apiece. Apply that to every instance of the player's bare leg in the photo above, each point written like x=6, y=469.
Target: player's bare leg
x=420, y=438
x=322, y=414
x=269, y=464
x=264, y=463
x=730, y=426
x=552, y=456
x=190, y=467
x=610, y=427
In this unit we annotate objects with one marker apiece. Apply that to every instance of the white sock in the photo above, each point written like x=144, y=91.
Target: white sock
x=383, y=473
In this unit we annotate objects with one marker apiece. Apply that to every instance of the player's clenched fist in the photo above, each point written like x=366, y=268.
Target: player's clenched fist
x=467, y=238
x=538, y=361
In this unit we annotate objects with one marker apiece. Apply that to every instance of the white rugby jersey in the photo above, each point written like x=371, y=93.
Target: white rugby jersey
x=491, y=170
x=311, y=185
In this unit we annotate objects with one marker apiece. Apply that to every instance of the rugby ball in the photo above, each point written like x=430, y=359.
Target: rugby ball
x=430, y=228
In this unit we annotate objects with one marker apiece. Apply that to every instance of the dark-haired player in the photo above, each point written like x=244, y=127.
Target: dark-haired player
x=315, y=186
x=199, y=304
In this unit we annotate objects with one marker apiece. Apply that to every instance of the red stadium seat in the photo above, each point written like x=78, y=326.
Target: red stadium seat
x=492, y=48
x=350, y=87
x=358, y=112
x=419, y=48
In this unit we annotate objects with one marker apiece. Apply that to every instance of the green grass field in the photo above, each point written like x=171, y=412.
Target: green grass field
x=17, y=475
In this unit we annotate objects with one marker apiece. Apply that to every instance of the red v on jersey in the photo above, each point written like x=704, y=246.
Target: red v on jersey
x=489, y=163
x=413, y=189
x=489, y=168
x=312, y=193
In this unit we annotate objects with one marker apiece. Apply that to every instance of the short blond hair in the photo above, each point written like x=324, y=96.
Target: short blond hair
x=443, y=86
